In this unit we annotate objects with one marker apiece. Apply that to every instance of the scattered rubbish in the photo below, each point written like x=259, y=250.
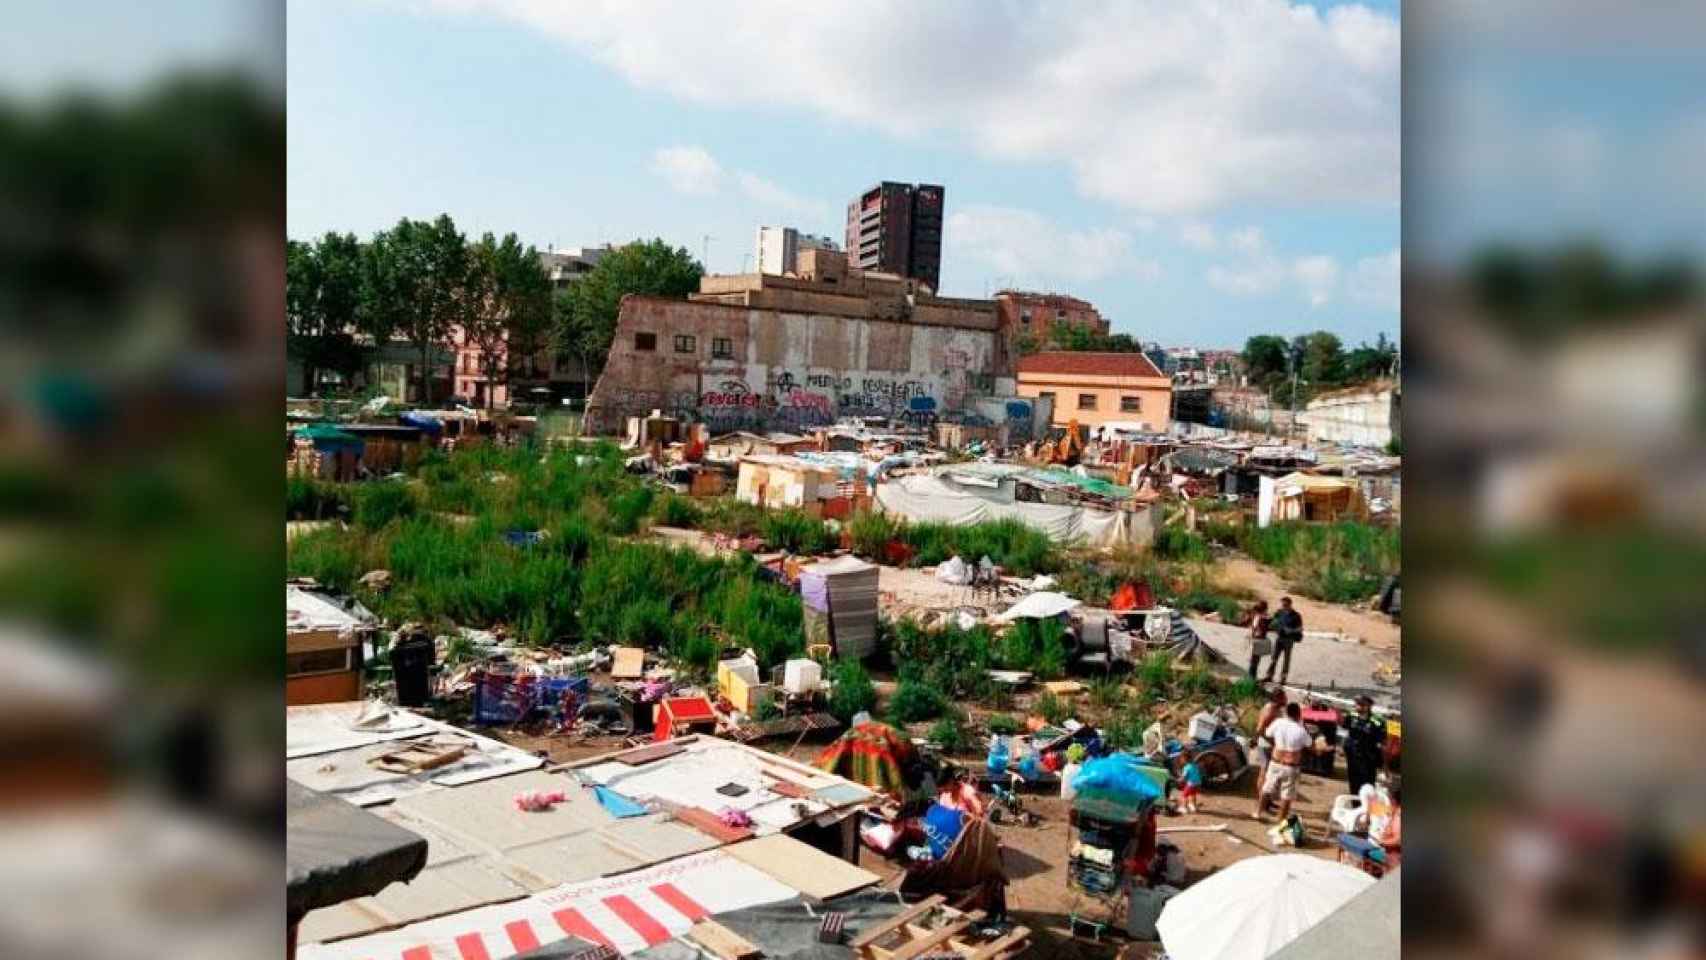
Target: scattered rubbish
x=533, y=801
x=616, y=804
x=419, y=756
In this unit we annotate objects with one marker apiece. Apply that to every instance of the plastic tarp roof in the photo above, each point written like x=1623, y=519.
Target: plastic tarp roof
x=1038, y=606
x=930, y=499
x=1293, y=483
x=307, y=610
x=1369, y=927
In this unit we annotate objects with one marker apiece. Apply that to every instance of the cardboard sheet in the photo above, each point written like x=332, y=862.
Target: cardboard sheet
x=629, y=664
x=805, y=868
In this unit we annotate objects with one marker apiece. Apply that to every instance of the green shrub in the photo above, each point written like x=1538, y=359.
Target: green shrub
x=851, y=690
x=797, y=532
x=380, y=502
x=1198, y=681
x=871, y=533
x=1004, y=724
x=1156, y=673
x=1033, y=645
x=1053, y=708
x=333, y=557
x=675, y=510
x=628, y=509
x=950, y=734
x=1245, y=690
x=1339, y=562
x=733, y=517
x=1125, y=730
x=1174, y=542
x=1107, y=692
x=308, y=499
x=914, y=701
x=1016, y=548
x=953, y=660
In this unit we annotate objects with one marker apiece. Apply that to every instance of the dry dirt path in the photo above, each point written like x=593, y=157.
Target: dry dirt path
x=1376, y=630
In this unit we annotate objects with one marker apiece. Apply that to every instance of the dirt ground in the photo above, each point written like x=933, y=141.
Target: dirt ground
x=1039, y=896
x=1374, y=629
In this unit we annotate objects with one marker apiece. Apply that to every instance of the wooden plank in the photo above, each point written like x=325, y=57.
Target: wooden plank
x=629, y=663
x=872, y=934
x=722, y=941
x=634, y=758
x=711, y=825
x=920, y=945
x=1013, y=941
x=815, y=874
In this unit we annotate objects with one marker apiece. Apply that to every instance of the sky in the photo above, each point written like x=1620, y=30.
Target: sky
x=1201, y=171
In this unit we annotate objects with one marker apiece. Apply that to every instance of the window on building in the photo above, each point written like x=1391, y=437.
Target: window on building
x=686, y=343
x=1046, y=395
x=722, y=348
x=1086, y=401
x=1131, y=404
x=647, y=342
x=1024, y=318
x=1060, y=314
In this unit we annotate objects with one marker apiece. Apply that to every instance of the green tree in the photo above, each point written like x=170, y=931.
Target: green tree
x=1321, y=358
x=415, y=281
x=323, y=305
x=1265, y=359
x=1367, y=363
x=506, y=308
x=651, y=267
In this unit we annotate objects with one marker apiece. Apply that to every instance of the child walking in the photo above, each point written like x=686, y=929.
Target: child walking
x=1192, y=775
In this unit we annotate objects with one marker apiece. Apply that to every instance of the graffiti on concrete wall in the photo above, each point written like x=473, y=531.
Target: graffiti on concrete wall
x=786, y=401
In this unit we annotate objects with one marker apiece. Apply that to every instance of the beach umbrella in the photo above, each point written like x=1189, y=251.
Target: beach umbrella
x=1249, y=910
x=874, y=754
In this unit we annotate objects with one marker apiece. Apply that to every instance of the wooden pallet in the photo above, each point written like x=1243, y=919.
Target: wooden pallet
x=932, y=928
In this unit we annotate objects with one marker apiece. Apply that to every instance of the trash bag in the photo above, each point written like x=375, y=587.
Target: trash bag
x=998, y=756
x=954, y=571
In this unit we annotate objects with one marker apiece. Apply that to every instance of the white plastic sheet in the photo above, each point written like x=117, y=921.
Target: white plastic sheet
x=1038, y=606
x=929, y=499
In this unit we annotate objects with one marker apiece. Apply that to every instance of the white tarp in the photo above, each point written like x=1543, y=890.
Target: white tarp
x=1249, y=910
x=1038, y=606
x=630, y=912
x=930, y=499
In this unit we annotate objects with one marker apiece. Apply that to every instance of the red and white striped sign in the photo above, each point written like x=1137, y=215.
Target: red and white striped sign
x=628, y=912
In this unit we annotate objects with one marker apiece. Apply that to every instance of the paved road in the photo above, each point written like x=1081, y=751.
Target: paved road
x=1343, y=669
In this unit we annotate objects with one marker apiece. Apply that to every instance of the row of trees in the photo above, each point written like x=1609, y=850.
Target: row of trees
x=421, y=282
x=1319, y=361
x=1063, y=336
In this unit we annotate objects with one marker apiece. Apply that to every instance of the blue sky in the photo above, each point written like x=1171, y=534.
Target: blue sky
x=1199, y=178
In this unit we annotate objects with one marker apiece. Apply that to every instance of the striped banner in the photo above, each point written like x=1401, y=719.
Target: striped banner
x=627, y=913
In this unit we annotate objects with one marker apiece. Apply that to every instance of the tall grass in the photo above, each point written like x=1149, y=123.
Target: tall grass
x=1018, y=549
x=1341, y=562
x=796, y=532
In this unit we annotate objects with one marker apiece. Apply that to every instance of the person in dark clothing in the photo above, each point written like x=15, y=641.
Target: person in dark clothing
x=1288, y=625
x=1364, y=737
x=1258, y=634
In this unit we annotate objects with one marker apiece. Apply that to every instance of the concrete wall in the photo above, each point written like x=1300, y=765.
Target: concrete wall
x=1154, y=397
x=786, y=370
x=1363, y=418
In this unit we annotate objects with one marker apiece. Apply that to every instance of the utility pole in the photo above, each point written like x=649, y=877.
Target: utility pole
x=705, y=253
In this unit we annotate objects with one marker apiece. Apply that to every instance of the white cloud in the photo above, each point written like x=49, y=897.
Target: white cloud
x=1198, y=235
x=1261, y=272
x=1022, y=243
x=773, y=197
x=1161, y=106
x=689, y=170
x=1376, y=281
x=1318, y=275
x=693, y=171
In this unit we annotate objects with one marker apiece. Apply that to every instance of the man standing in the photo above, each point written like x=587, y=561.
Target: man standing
x=1290, y=741
x=1364, y=739
x=1287, y=624
x=1273, y=710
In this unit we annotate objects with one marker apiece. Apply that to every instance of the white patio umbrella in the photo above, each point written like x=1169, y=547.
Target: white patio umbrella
x=1251, y=909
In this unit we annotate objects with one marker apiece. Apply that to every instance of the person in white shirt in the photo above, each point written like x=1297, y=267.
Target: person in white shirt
x=1290, y=741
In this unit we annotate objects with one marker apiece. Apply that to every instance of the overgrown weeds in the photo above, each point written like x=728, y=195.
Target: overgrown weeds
x=851, y=689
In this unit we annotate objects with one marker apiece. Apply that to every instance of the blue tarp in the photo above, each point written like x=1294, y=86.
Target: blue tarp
x=616, y=804
x=1116, y=787
x=412, y=419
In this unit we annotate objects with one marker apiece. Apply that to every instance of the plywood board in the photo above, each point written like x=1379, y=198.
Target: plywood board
x=629, y=663
x=652, y=839
x=722, y=941
x=811, y=871
x=485, y=814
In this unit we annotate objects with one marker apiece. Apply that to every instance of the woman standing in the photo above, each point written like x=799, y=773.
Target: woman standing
x=1260, y=645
